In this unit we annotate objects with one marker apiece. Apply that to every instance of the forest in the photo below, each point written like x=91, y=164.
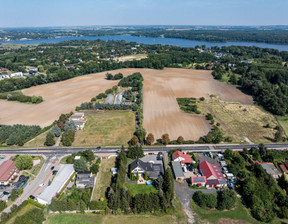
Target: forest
x=249, y=35
x=17, y=134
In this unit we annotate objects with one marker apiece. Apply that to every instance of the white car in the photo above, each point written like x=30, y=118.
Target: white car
x=42, y=185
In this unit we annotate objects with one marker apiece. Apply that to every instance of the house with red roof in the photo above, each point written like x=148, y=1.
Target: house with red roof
x=8, y=172
x=199, y=181
x=213, y=174
x=181, y=157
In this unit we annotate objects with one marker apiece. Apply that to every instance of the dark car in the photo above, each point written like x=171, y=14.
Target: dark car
x=32, y=197
x=52, y=168
x=6, y=193
x=54, y=172
x=99, y=147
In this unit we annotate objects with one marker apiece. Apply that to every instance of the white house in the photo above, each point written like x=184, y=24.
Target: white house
x=16, y=74
x=4, y=76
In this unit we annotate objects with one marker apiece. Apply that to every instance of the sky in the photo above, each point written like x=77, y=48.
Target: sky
x=46, y=13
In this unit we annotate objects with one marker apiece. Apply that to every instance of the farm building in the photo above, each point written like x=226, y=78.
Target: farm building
x=178, y=172
x=183, y=158
x=63, y=175
x=272, y=170
x=85, y=180
x=213, y=175
x=8, y=172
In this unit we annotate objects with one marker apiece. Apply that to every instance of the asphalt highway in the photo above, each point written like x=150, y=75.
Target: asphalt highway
x=50, y=151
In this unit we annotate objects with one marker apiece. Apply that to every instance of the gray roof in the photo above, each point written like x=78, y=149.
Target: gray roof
x=270, y=169
x=177, y=169
x=151, y=159
x=63, y=174
x=153, y=169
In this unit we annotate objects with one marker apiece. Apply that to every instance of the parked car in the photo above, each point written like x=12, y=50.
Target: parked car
x=41, y=185
x=32, y=197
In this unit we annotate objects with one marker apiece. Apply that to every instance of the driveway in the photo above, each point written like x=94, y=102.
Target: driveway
x=185, y=193
x=33, y=186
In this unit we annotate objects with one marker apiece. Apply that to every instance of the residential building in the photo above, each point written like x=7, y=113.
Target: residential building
x=153, y=167
x=16, y=74
x=213, y=175
x=181, y=157
x=4, y=76
x=79, y=120
x=178, y=172
x=85, y=180
x=63, y=175
x=77, y=117
x=200, y=181
x=8, y=172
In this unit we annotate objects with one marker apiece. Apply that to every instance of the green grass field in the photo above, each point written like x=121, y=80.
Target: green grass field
x=98, y=219
x=104, y=178
x=106, y=128
x=140, y=188
x=216, y=216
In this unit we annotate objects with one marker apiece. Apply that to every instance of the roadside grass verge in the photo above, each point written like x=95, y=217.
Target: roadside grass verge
x=104, y=178
x=140, y=188
x=106, y=128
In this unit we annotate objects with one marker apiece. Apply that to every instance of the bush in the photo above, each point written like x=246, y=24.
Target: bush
x=226, y=199
x=24, y=162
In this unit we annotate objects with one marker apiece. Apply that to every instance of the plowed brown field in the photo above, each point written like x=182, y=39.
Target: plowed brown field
x=161, y=111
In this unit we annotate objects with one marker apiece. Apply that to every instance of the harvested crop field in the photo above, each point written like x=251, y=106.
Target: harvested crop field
x=161, y=88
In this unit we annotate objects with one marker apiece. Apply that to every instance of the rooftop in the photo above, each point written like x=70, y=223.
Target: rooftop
x=177, y=169
x=209, y=170
x=185, y=158
x=7, y=168
x=64, y=173
x=271, y=169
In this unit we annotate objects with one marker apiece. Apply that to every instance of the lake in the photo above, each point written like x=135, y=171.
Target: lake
x=151, y=40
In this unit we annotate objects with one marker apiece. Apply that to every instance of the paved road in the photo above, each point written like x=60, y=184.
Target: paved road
x=196, y=148
x=33, y=186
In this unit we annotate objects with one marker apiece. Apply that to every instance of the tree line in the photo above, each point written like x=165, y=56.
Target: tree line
x=259, y=190
x=20, y=97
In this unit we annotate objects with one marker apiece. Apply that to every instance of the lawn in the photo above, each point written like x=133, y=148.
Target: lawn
x=216, y=216
x=240, y=121
x=106, y=128
x=140, y=188
x=103, y=178
x=109, y=219
x=283, y=121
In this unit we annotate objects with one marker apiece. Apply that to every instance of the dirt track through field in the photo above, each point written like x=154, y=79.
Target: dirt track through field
x=161, y=111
